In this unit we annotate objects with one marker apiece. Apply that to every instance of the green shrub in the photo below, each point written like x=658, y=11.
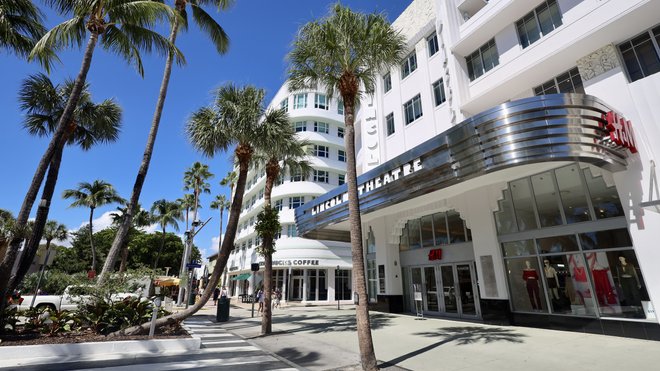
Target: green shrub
x=9, y=320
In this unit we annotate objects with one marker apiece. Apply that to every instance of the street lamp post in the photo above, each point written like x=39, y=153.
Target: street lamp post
x=337, y=288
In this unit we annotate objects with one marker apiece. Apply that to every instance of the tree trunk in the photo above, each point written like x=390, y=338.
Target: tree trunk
x=32, y=246
x=91, y=238
x=160, y=250
x=122, y=232
x=124, y=258
x=56, y=142
x=223, y=256
x=367, y=354
x=272, y=172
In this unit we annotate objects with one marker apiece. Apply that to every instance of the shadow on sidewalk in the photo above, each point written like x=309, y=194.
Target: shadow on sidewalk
x=297, y=357
x=334, y=324
x=462, y=335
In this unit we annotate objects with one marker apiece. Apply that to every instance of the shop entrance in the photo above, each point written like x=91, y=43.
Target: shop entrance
x=297, y=288
x=448, y=289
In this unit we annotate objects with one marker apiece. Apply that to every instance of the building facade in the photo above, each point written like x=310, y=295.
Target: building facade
x=508, y=166
x=307, y=271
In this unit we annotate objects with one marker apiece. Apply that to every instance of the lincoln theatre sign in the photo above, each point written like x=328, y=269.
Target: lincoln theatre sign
x=557, y=127
x=372, y=184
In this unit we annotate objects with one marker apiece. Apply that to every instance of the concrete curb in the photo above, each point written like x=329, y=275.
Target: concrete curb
x=45, y=351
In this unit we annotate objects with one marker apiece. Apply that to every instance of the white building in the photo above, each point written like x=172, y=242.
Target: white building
x=309, y=271
x=507, y=166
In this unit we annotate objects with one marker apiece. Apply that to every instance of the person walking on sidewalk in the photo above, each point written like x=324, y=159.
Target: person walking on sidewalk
x=216, y=293
x=260, y=299
x=277, y=296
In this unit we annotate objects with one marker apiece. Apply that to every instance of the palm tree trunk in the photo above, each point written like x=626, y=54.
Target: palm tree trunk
x=57, y=141
x=91, y=238
x=223, y=257
x=32, y=246
x=160, y=249
x=365, y=341
x=122, y=232
x=272, y=172
x=124, y=258
x=222, y=208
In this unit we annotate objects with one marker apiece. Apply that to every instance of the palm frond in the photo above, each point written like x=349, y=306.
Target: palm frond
x=67, y=33
x=209, y=26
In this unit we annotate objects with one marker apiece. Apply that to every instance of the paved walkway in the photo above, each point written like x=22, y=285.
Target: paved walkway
x=323, y=338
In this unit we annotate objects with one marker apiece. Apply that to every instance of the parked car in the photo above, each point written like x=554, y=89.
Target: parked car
x=70, y=299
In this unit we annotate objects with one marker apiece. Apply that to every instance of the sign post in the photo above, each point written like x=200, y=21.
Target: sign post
x=417, y=290
x=254, y=268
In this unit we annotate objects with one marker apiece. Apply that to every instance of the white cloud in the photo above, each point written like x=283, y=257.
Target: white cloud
x=102, y=222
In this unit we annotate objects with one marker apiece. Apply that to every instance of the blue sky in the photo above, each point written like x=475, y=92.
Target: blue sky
x=261, y=33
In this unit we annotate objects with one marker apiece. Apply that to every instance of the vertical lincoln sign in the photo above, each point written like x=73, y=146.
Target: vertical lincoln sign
x=371, y=184
x=621, y=131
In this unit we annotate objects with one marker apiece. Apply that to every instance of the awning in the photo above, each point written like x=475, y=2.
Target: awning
x=166, y=281
x=241, y=277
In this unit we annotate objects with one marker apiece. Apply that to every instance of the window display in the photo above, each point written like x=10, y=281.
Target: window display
x=524, y=283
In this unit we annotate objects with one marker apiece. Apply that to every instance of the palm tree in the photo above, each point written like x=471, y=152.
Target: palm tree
x=20, y=26
x=220, y=203
x=221, y=42
x=193, y=179
x=7, y=223
x=229, y=180
x=91, y=124
x=233, y=120
x=142, y=219
x=187, y=202
x=282, y=151
x=121, y=27
x=92, y=195
x=165, y=213
x=346, y=52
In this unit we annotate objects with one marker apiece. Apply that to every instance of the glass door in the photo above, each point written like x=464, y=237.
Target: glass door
x=297, y=288
x=466, y=289
x=430, y=290
x=449, y=289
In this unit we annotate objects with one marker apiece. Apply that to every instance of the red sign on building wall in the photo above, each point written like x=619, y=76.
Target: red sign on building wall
x=435, y=254
x=621, y=131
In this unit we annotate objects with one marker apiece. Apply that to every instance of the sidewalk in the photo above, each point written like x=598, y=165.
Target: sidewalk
x=323, y=338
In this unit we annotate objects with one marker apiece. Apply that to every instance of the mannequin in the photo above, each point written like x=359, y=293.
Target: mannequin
x=531, y=278
x=551, y=277
x=628, y=282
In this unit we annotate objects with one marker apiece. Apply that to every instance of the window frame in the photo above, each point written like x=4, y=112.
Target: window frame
x=321, y=105
x=432, y=43
x=440, y=84
x=387, y=82
x=340, y=132
x=296, y=103
x=389, y=119
x=411, y=103
x=296, y=200
x=321, y=127
x=284, y=104
x=409, y=65
x=321, y=176
x=341, y=179
x=321, y=151
x=534, y=14
x=654, y=34
x=545, y=88
x=300, y=126
x=472, y=74
x=341, y=155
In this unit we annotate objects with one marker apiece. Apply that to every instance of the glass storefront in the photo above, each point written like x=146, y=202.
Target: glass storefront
x=587, y=269
x=434, y=230
x=343, y=284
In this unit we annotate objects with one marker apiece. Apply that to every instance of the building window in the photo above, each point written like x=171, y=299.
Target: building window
x=296, y=201
x=434, y=230
x=340, y=107
x=340, y=132
x=320, y=101
x=300, y=101
x=321, y=176
x=321, y=127
x=341, y=179
x=641, y=55
x=482, y=60
x=412, y=109
x=409, y=65
x=439, y=92
x=372, y=280
x=381, y=279
x=539, y=22
x=341, y=155
x=291, y=230
x=278, y=205
x=296, y=176
x=389, y=120
x=284, y=104
x=567, y=82
x=343, y=284
x=321, y=151
x=387, y=82
x=432, y=42
x=300, y=126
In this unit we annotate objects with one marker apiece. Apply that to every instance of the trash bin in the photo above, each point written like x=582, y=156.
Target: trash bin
x=191, y=298
x=222, y=315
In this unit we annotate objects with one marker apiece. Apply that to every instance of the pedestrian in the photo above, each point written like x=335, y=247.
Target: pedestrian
x=216, y=293
x=260, y=298
x=223, y=293
x=277, y=297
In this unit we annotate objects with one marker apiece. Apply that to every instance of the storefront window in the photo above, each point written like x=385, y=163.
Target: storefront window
x=572, y=194
x=519, y=248
x=440, y=229
x=525, y=285
x=427, y=231
x=311, y=284
x=456, y=228
x=523, y=204
x=323, y=285
x=605, y=200
x=618, y=284
x=343, y=285
x=403, y=241
x=372, y=280
x=547, y=202
x=609, y=239
x=413, y=234
x=381, y=279
x=557, y=244
x=568, y=287
x=505, y=221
